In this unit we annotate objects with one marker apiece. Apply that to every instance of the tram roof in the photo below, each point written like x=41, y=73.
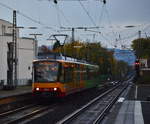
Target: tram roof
x=60, y=58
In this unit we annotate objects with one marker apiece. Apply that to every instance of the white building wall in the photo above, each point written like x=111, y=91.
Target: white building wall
x=5, y=28
x=25, y=58
x=3, y=58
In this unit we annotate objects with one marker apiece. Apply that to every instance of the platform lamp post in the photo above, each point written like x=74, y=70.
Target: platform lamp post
x=35, y=44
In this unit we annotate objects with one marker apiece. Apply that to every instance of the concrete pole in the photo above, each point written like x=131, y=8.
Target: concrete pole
x=73, y=35
x=139, y=45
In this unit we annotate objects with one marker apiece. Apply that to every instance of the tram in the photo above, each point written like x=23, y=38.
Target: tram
x=61, y=76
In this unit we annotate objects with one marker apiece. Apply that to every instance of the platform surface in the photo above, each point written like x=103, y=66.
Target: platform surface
x=14, y=92
x=134, y=109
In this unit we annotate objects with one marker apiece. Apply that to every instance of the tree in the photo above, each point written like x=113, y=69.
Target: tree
x=44, y=49
x=95, y=53
x=56, y=45
x=141, y=47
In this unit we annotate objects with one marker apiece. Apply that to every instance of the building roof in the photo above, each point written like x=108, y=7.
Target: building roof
x=5, y=21
x=27, y=38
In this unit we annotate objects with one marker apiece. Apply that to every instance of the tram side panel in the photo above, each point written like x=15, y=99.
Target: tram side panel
x=71, y=78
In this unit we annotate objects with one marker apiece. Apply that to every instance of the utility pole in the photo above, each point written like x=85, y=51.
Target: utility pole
x=35, y=45
x=94, y=35
x=73, y=35
x=139, y=34
x=15, y=49
x=139, y=45
x=12, y=57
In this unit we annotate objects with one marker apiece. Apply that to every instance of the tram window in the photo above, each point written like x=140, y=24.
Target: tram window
x=84, y=73
x=68, y=74
x=78, y=72
x=88, y=73
x=46, y=72
x=61, y=74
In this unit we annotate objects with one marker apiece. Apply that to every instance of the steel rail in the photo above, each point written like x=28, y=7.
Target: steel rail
x=79, y=111
x=29, y=115
x=7, y=113
x=36, y=109
x=108, y=107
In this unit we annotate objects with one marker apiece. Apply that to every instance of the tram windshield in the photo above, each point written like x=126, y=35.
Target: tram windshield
x=45, y=72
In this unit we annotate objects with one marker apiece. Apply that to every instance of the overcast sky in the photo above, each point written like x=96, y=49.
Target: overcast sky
x=111, y=17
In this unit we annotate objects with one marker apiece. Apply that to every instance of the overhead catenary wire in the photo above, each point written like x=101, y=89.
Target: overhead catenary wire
x=110, y=23
x=6, y=6
x=90, y=17
x=58, y=16
x=130, y=36
x=104, y=9
x=35, y=21
x=109, y=20
x=136, y=27
x=28, y=17
x=146, y=28
x=59, y=11
x=106, y=39
x=101, y=15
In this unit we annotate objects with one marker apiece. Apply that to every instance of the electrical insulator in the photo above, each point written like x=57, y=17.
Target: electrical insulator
x=55, y=1
x=104, y=1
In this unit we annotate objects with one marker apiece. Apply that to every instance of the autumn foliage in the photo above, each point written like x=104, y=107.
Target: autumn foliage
x=141, y=47
x=95, y=54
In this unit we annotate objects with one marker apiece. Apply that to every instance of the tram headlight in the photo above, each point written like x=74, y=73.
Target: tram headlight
x=37, y=89
x=55, y=89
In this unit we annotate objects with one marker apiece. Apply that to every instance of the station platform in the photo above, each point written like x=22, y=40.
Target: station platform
x=132, y=108
x=19, y=90
x=130, y=113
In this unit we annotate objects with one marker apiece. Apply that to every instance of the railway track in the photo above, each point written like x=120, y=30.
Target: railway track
x=12, y=102
x=7, y=113
x=31, y=112
x=95, y=111
x=24, y=113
